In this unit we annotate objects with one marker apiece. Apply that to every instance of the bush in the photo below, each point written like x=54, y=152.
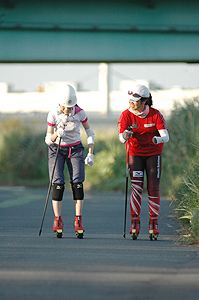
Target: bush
x=23, y=155
x=108, y=173
x=186, y=204
x=182, y=148
x=182, y=169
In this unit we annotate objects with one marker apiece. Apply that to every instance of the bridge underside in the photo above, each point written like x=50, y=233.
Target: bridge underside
x=102, y=31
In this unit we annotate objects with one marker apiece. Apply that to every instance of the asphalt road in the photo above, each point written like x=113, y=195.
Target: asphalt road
x=103, y=265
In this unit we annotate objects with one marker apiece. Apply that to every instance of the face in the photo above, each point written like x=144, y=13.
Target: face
x=66, y=110
x=138, y=106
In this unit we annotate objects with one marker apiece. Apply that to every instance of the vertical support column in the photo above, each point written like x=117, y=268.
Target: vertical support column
x=104, y=87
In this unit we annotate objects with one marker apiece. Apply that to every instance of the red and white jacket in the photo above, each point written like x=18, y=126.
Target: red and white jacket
x=144, y=129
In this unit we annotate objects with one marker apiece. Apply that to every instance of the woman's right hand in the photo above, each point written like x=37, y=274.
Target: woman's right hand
x=127, y=134
x=61, y=132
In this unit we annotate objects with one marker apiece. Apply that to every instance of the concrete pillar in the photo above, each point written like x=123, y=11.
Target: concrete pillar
x=104, y=87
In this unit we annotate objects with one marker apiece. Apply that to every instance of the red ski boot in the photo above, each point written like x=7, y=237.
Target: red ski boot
x=58, y=226
x=135, y=227
x=153, y=228
x=79, y=227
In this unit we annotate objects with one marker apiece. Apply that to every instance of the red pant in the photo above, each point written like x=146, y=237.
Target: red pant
x=152, y=166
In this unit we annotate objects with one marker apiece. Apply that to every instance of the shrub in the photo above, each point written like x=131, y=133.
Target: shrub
x=186, y=203
x=108, y=172
x=182, y=148
x=23, y=155
x=182, y=168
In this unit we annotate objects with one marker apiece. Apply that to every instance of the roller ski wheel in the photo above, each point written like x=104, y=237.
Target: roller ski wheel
x=153, y=236
x=134, y=235
x=59, y=234
x=153, y=228
x=80, y=234
x=135, y=227
x=79, y=227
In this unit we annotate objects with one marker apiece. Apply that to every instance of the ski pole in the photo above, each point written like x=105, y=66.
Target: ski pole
x=49, y=188
x=127, y=170
x=126, y=194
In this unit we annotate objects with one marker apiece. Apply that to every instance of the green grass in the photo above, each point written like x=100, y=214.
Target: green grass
x=181, y=168
x=109, y=169
x=23, y=155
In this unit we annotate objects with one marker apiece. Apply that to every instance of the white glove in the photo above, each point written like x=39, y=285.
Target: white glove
x=61, y=132
x=163, y=138
x=157, y=140
x=89, y=160
x=127, y=134
x=154, y=140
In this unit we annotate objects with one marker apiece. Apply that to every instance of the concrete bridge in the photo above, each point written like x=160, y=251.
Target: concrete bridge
x=99, y=31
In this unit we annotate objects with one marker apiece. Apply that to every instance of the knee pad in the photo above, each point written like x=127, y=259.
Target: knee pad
x=58, y=190
x=78, y=191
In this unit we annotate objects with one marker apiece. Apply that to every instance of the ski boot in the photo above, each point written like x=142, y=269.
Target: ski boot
x=135, y=227
x=79, y=227
x=153, y=228
x=58, y=226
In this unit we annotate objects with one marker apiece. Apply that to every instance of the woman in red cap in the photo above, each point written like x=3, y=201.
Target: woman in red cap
x=144, y=131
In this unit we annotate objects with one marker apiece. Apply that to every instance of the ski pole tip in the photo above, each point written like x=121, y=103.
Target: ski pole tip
x=39, y=232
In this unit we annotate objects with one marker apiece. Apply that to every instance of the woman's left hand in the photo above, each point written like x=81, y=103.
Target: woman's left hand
x=154, y=140
x=89, y=160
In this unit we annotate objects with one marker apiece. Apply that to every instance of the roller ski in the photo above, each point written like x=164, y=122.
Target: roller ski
x=153, y=228
x=79, y=227
x=58, y=226
x=135, y=227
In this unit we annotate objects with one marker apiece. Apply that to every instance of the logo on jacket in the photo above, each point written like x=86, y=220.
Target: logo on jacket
x=149, y=125
x=137, y=173
x=135, y=125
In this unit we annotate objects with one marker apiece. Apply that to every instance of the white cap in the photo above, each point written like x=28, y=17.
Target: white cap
x=139, y=91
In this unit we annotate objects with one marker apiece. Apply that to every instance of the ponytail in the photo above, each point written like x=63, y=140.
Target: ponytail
x=148, y=100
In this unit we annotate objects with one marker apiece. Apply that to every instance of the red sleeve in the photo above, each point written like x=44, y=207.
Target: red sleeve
x=84, y=121
x=50, y=124
x=161, y=124
x=124, y=122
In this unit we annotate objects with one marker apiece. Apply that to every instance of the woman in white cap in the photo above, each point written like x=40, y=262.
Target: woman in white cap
x=144, y=131
x=63, y=123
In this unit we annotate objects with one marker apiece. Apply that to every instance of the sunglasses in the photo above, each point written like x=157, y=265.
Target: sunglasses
x=134, y=94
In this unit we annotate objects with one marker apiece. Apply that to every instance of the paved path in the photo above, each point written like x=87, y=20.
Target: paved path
x=103, y=265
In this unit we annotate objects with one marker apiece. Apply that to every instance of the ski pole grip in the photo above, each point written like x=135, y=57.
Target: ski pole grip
x=130, y=128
